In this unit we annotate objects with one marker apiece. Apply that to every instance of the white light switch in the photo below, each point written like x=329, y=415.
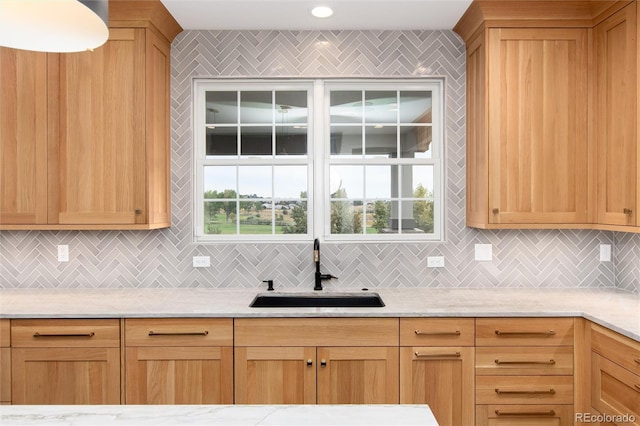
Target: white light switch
x=63, y=253
x=605, y=252
x=484, y=252
x=201, y=261
x=435, y=262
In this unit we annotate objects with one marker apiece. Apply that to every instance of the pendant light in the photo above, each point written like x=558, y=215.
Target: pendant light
x=54, y=25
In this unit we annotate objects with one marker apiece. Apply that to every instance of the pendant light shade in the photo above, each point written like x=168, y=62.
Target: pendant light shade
x=54, y=25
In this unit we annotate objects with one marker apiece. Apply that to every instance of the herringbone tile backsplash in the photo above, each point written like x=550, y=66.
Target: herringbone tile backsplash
x=110, y=259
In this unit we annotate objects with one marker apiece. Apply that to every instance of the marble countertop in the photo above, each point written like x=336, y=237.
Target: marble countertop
x=617, y=310
x=295, y=415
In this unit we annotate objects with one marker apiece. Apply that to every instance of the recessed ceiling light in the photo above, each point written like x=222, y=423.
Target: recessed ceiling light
x=322, y=12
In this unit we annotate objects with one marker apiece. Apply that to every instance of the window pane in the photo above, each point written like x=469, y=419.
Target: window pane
x=222, y=141
x=219, y=182
x=254, y=181
x=381, y=141
x=294, y=218
x=378, y=215
x=346, y=140
x=378, y=181
x=291, y=140
x=346, y=106
x=417, y=181
x=222, y=107
x=256, y=141
x=381, y=107
x=346, y=181
x=290, y=181
x=220, y=217
x=257, y=222
x=346, y=217
x=415, y=141
x=256, y=107
x=417, y=216
x=415, y=107
x=291, y=107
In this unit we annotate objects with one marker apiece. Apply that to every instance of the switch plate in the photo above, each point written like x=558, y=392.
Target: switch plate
x=605, y=252
x=63, y=253
x=484, y=252
x=435, y=262
x=201, y=261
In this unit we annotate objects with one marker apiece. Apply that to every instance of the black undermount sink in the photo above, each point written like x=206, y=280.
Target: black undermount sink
x=317, y=300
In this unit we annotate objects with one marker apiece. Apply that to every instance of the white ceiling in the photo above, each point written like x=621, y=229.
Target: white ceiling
x=295, y=14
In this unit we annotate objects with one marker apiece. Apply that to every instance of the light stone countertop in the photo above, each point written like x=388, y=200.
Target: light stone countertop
x=617, y=310
x=246, y=415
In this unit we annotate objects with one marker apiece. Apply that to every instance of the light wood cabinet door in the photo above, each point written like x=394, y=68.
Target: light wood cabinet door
x=101, y=146
x=23, y=137
x=441, y=377
x=65, y=375
x=524, y=415
x=615, y=117
x=358, y=375
x=537, y=125
x=275, y=375
x=5, y=362
x=614, y=389
x=179, y=375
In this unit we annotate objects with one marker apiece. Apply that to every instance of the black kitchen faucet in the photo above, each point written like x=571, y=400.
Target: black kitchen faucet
x=316, y=258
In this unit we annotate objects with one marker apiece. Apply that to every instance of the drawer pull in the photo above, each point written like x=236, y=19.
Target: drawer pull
x=550, y=362
x=526, y=392
x=421, y=355
x=180, y=333
x=525, y=333
x=89, y=334
x=549, y=413
x=437, y=333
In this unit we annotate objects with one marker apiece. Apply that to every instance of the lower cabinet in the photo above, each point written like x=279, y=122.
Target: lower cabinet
x=303, y=361
x=65, y=361
x=179, y=361
x=524, y=415
x=435, y=372
x=615, y=377
x=5, y=362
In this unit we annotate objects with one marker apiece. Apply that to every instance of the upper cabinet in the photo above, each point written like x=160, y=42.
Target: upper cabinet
x=551, y=114
x=102, y=156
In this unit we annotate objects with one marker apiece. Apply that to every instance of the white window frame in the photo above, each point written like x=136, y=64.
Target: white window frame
x=318, y=158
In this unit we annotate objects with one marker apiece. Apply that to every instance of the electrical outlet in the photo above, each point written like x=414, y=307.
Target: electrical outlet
x=63, y=253
x=435, y=262
x=605, y=252
x=201, y=261
x=483, y=252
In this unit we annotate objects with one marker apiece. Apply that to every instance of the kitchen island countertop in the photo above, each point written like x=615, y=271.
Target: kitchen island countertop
x=615, y=309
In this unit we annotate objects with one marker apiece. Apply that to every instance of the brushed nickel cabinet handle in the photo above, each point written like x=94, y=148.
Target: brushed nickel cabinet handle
x=526, y=413
x=180, y=333
x=525, y=392
x=437, y=333
x=495, y=211
x=550, y=362
x=421, y=355
x=89, y=334
x=627, y=211
x=525, y=333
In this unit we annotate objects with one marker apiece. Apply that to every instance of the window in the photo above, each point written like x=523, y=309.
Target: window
x=344, y=160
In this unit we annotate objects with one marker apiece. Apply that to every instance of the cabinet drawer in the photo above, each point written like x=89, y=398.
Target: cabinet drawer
x=525, y=415
x=179, y=332
x=524, y=389
x=524, y=332
x=437, y=331
x=316, y=332
x=614, y=390
x=5, y=334
x=526, y=360
x=616, y=347
x=63, y=333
